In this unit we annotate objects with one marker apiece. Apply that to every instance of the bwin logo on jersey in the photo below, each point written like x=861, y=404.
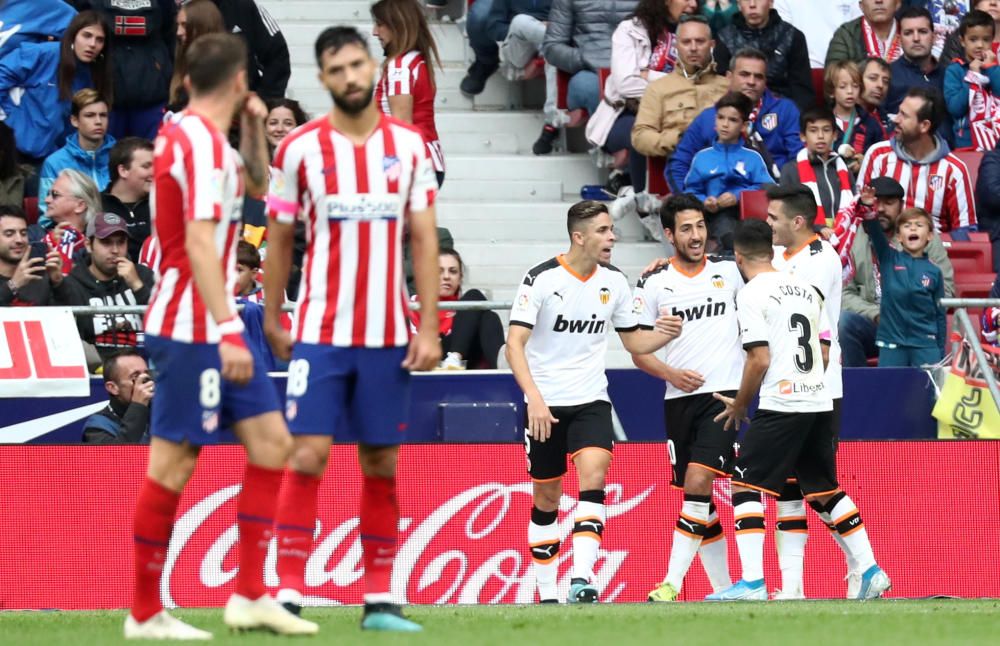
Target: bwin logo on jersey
x=577, y=326
x=705, y=310
x=605, y=295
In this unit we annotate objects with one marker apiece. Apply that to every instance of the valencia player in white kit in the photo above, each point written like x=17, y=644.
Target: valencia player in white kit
x=706, y=359
x=562, y=314
x=782, y=325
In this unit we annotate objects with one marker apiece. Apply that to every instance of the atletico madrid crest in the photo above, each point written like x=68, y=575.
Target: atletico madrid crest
x=393, y=169
x=936, y=182
x=769, y=121
x=605, y=295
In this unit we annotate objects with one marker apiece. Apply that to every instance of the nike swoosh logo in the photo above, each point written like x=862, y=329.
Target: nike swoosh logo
x=29, y=430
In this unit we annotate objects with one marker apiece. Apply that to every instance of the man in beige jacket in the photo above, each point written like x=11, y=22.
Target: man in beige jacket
x=668, y=105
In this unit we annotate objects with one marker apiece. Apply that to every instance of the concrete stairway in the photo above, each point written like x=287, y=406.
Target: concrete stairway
x=505, y=207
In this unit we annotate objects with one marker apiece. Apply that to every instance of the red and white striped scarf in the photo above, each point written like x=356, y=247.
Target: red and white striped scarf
x=664, y=55
x=984, y=110
x=807, y=175
x=845, y=230
x=890, y=50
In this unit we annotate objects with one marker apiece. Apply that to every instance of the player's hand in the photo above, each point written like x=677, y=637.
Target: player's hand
x=127, y=272
x=669, y=324
x=727, y=200
x=54, y=266
x=254, y=108
x=656, y=264
x=280, y=340
x=237, y=363
x=540, y=420
x=424, y=352
x=733, y=415
x=685, y=380
x=142, y=390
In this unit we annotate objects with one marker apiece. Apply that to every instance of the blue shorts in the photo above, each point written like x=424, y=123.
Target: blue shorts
x=192, y=402
x=354, y=394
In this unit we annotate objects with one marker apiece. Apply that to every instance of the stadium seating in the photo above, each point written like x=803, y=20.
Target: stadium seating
x=576, y=117
x=656, y=183
x=972, y=159
x=31, y=209
x=753, y=205
x=973, y=285
x=973, y=256
x=817, y=79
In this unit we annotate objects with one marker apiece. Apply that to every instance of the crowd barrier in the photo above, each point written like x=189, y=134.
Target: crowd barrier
x=930, y=509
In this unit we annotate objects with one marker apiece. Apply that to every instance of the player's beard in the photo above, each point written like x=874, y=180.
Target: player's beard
x=356, y=106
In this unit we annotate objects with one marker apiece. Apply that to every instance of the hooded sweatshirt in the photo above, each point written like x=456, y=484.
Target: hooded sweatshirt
x=92, y=163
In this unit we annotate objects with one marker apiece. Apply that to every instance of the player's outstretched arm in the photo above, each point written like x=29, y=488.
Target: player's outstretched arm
x=253, y=146
x=540, y=419
x=425, y=348
x=666, y=328
x=758, y=360
x=276, y=267
x=206, y=267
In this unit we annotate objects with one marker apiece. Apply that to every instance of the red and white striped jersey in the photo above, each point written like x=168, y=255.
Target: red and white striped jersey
x=407, y=74
x=942, y=188
x=196, y=176
x=353, y=200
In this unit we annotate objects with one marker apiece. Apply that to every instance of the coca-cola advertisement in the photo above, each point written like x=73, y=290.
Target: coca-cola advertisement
x=66, y=540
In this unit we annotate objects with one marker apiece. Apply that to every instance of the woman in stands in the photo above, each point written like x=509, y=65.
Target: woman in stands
x=194, y=18
x=470, y=338
x=44, y=76
x=406, y=89
x=283, y=116
x=643, y=49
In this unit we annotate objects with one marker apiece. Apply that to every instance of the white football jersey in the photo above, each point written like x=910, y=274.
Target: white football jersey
x=570, y=316
x=785, y=313
x=710, y=339
x=818, y=264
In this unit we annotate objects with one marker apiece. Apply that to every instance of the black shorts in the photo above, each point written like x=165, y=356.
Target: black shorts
x=579, y=427
x=694, y=438
x=779, y=446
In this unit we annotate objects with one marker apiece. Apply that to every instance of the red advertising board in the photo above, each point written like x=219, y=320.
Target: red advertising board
x=930, y=509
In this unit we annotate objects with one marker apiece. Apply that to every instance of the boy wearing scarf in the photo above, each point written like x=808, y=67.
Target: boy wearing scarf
x=970, y=83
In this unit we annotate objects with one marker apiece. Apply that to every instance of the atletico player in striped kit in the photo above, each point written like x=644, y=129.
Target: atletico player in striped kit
x=208, y=377
x=356, y=177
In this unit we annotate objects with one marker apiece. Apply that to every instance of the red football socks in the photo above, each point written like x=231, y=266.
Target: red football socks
x=296, y=522
x=379, y=524
x=255, y=518
x=151, y=527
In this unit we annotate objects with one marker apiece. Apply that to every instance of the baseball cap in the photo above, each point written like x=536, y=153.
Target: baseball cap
x=104, y=225
x=887, y=187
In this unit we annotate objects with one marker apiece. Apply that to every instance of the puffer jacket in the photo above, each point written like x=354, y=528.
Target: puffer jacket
x=579, y=32
x=788, y=71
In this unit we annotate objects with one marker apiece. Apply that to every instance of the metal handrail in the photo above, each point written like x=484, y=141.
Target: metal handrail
x=960, y=305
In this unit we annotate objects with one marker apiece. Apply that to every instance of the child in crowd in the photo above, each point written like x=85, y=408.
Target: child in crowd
x=856, y=129
x=970, y=84
x=819, y=167
x=250, y=295
x=912, y=326
x=719, y=174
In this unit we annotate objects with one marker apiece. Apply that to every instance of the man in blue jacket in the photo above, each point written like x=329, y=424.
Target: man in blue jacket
x=774, y=122
x=917, y=66
x=87, y=151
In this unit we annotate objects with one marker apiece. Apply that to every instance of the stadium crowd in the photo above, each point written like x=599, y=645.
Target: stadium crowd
x=717, y=98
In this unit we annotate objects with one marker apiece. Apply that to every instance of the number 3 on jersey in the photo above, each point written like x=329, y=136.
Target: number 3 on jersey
x=804, y=359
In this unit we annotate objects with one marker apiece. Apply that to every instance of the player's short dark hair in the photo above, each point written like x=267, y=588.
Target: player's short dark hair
x=812, y=115
x=213, y=59
x=736, y=100
x=581, y=212
x=748, y=52
x=975, y=18
x=917, y=12
x=122, y=153
x=754, y=239
x=247, y=255
x=12, y=211
x=333, y=39
x=796, y=199
x=110, y=363
x=676, y=203
x=933, y=108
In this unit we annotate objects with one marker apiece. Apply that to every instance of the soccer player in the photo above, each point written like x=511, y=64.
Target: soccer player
x=704, y=360
x=556, y=344
x=781, y=326
x=356, y=177
x=208, y=378
x=804, y=254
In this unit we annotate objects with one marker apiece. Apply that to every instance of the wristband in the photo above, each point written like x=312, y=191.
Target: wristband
x=232, y=331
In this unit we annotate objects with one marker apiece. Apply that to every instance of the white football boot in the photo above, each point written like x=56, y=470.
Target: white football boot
x=163, y=625
x=243, y=614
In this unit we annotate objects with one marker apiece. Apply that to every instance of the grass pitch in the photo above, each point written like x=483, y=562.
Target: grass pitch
x=811, y=623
